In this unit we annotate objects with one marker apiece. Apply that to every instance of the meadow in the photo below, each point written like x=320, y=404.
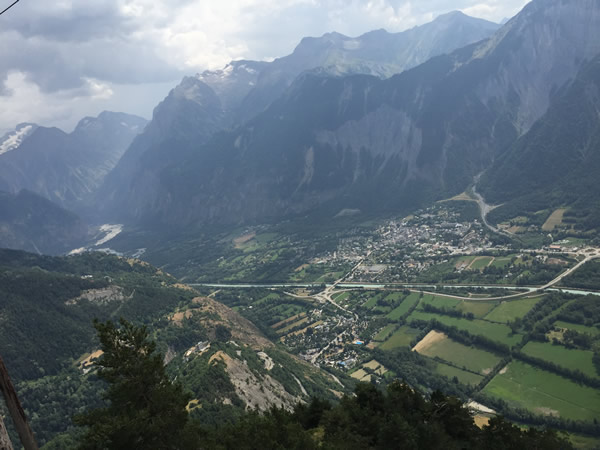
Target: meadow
x=510, y=310
x=542, y=392
x=494, y=331
x=464, y=377
x=401, y=338
x=461, y=356
x=572, y=359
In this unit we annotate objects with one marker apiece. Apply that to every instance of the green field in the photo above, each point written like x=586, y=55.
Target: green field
x=494, y=331
x=478, y=308
x=404, y=307
x=572, y=359
x=463, y=376
x=481, y=263
x=511, y=310
x=400, y=338
x=469, y=358
x=463, y=261
x=584, y=442
x=439, y=301
x=293, y=325
x=501, y=262
x=593, y=331
x=383, y=334
x=340, y=297
x=372, y=302
x=545, y=393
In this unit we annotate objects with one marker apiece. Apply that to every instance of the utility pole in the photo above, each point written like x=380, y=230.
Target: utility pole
x=16, y=410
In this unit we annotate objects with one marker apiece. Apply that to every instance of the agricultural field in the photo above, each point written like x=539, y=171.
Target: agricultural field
x=464, y=377
x=479, y=309
x=376, y=367
x=554, y=220
x=401, y=338
x=542, y=392
x=385, y=333
x=592, y=331
x=481, y=262
x=468, y=358
x=508, y=311
x=361, y=375
x=501, y=262
x=494, y=331
x=404, y=307
x=438, y=301
x=572, y=359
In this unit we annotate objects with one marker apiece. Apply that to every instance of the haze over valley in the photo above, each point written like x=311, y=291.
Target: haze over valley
x=402, y=214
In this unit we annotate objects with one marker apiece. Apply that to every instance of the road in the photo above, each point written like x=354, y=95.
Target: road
x=484, y=209
x=325, y=295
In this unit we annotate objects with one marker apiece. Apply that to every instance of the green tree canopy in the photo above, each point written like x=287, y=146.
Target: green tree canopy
x=145, y=409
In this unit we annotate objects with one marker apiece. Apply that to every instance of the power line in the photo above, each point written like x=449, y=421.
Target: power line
x=6, y=9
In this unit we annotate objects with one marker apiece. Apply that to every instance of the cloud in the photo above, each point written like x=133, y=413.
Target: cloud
x=62, y=48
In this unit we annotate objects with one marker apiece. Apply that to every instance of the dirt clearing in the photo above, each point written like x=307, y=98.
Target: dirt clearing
x=554, y=220
x=431, y=338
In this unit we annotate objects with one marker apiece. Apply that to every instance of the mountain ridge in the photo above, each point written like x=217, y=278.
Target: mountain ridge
x=67, y=167
x=249, y=80
x=390, y=144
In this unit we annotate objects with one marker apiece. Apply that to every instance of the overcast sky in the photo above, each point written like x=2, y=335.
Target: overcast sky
x=63, y=59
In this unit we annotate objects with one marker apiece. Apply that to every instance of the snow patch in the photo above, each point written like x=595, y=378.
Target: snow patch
x=14, y=139
x=111, y=232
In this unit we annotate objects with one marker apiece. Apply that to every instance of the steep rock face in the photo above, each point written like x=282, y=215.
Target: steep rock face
x=556, y=163
x=33, y=223
x=376, y=53
x=365, y=143
x=66, y=168
x=216, y=100
x=187, y=118
x=233, y=83
x=545, y=46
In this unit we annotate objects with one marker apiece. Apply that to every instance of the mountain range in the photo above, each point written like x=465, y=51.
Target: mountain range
x=221, y=100
x=381, y=123
x=66, y=168
x=31, y=222
x=356, y=141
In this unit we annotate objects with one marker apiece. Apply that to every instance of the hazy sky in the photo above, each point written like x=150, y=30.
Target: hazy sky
x=63, y=59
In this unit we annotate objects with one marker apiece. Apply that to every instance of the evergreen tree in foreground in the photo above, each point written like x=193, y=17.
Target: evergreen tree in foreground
x=145, y=410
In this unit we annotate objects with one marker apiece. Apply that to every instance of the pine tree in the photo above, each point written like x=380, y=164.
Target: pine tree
x=145, y=409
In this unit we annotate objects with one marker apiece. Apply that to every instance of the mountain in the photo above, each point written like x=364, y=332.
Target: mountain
x=66, y=168
x=217, y=100
x=48, y=342
x=13, y=139
x=187, y=118
x=377, y=53
x=31, y=222
x=556, y=163
x=363, y=142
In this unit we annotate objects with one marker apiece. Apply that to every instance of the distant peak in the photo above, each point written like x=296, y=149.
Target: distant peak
x=459, y=16
x=452, y=16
